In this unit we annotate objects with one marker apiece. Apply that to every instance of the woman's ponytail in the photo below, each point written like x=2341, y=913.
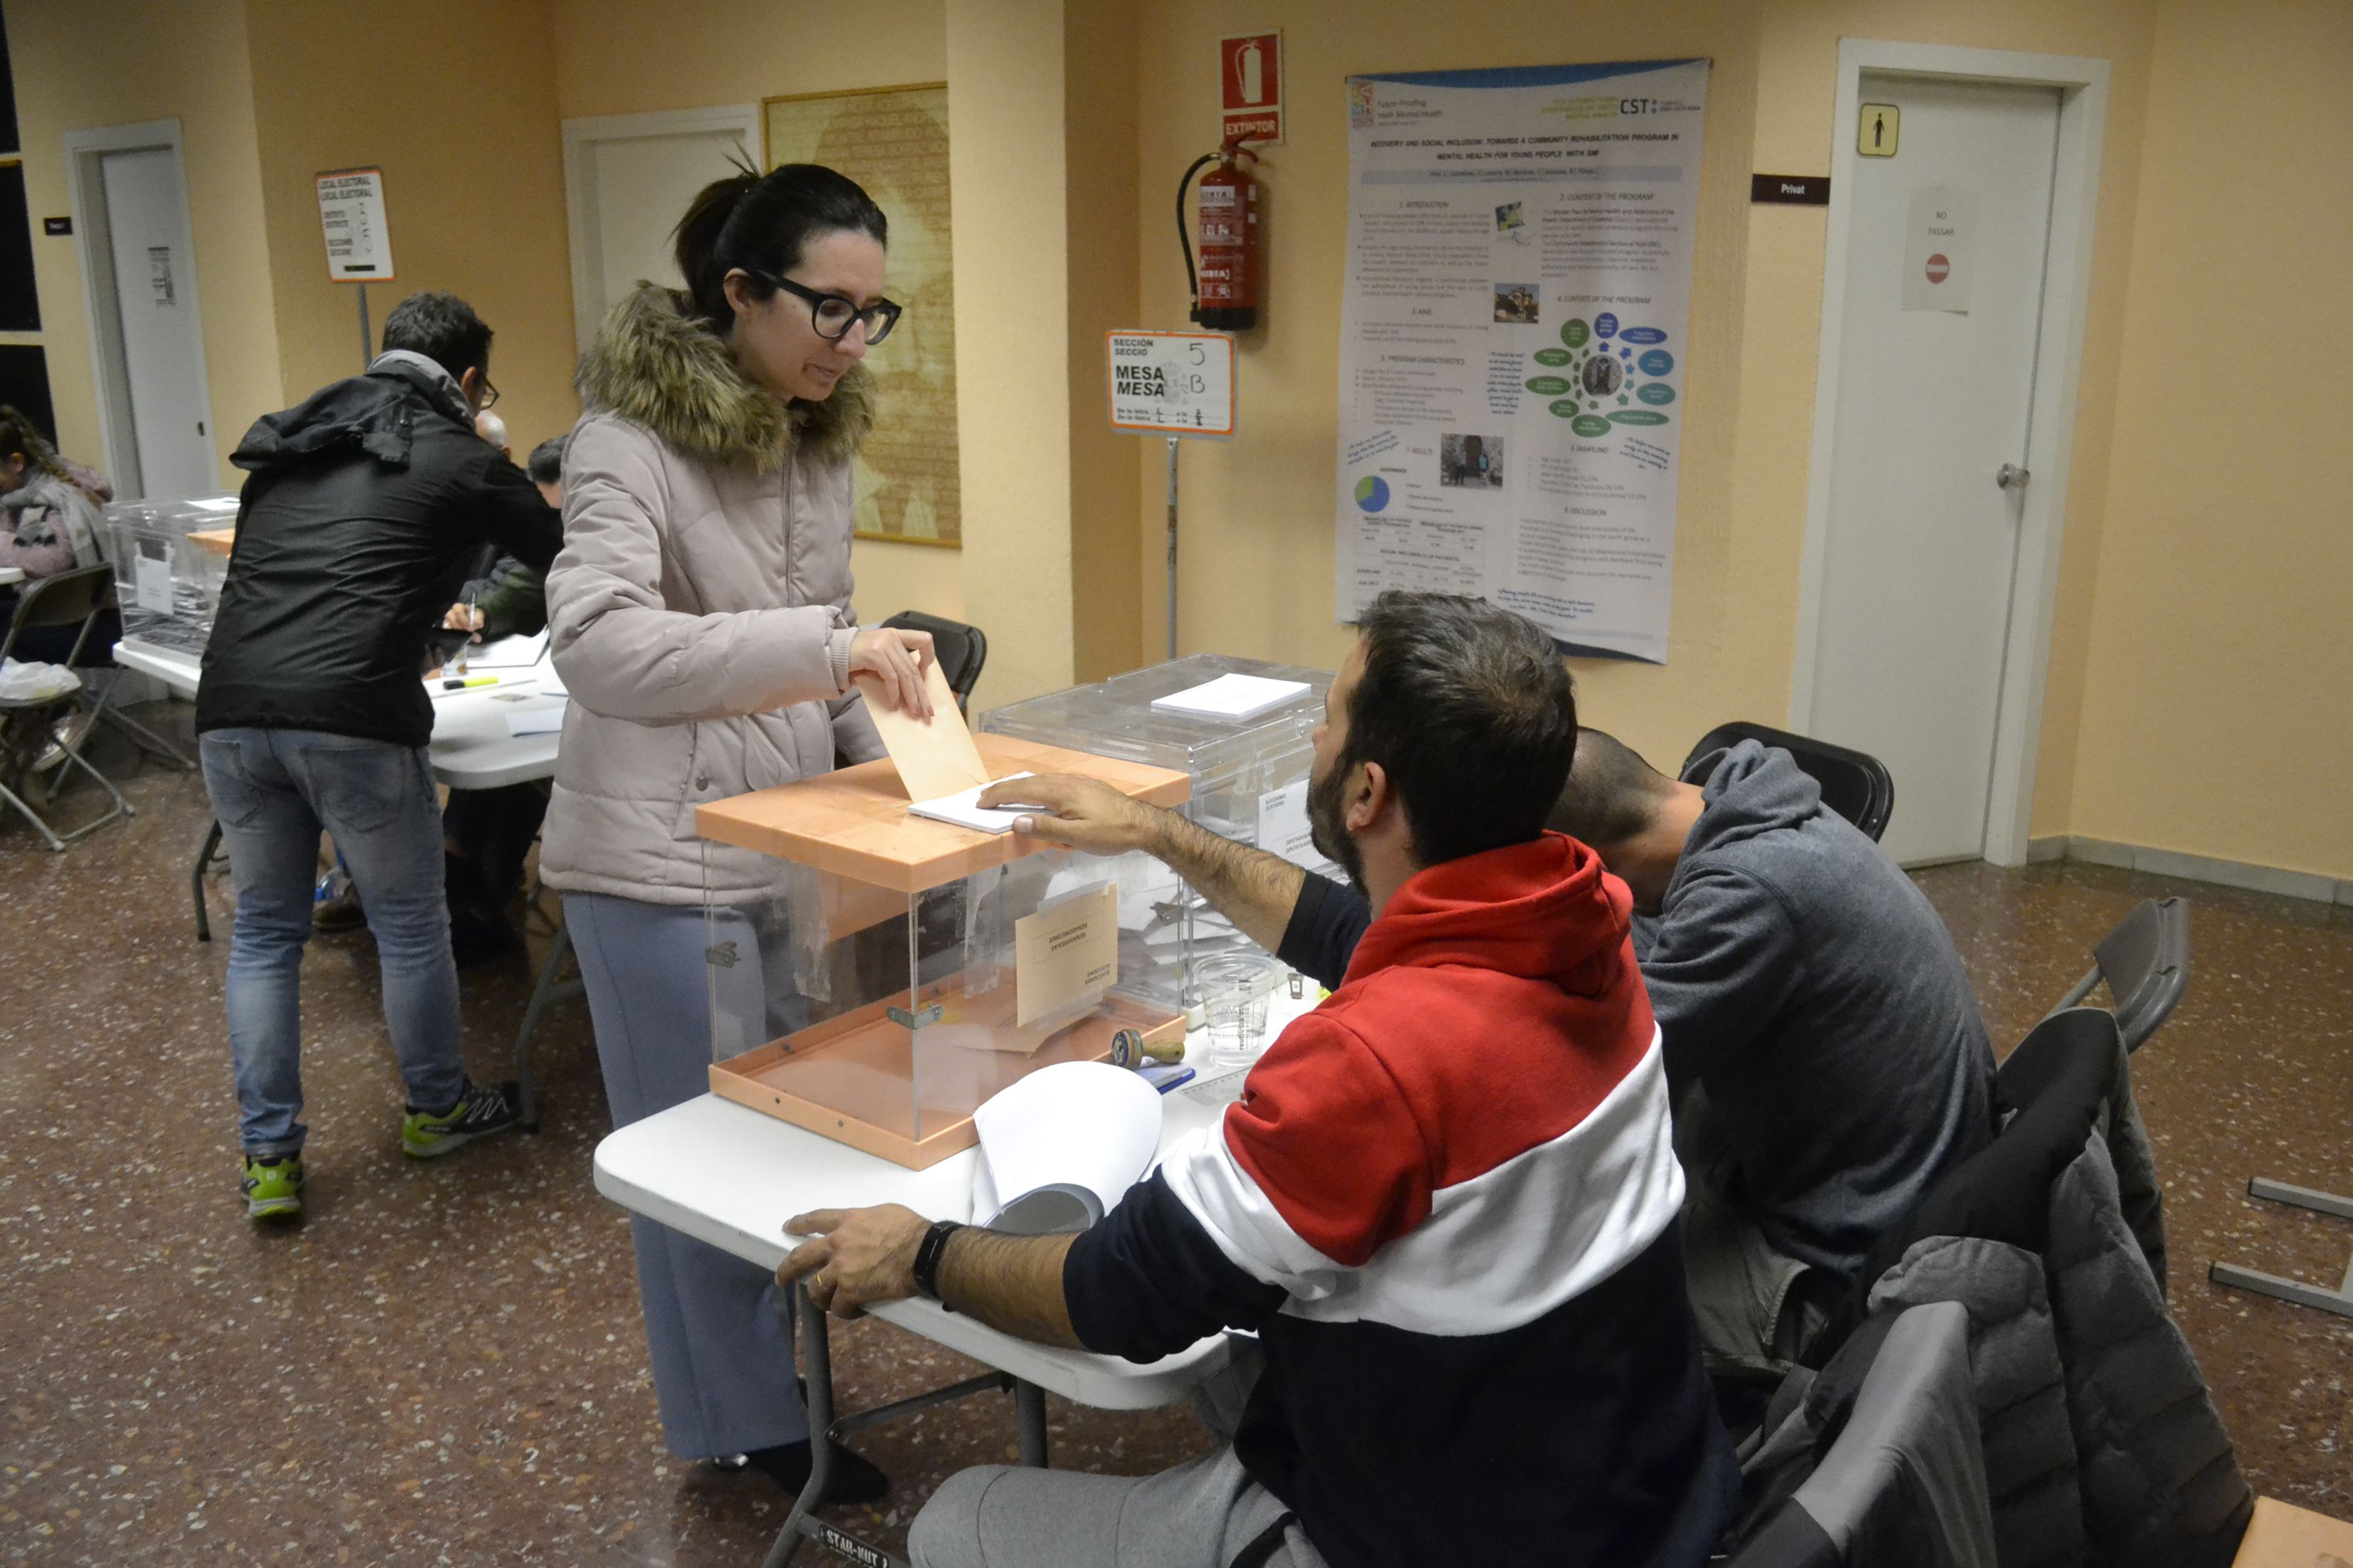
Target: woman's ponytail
x=699, y=233
x=765, y=221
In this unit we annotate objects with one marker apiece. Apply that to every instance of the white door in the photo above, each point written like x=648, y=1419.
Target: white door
x=1945, y=272
x=628, y=190
x=163, y=362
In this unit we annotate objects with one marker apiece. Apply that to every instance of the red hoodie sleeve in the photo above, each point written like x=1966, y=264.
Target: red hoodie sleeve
x=1325, y=1133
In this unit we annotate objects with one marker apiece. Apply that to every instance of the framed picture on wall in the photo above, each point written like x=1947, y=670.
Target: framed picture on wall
x=894, y=142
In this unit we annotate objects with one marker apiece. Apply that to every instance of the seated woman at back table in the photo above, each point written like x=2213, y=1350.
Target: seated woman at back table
x=51, y=521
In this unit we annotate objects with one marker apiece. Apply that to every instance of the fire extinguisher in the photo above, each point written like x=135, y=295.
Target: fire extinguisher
x=1225, y=286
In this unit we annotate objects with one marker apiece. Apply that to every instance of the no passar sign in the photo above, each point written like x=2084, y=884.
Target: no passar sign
x=1249, y=67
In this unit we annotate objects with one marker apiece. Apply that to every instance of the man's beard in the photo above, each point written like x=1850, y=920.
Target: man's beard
x=1325, y=829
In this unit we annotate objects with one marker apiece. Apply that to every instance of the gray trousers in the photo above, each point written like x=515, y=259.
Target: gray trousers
x=1205, y=1514
x=717, y=1331
x=1200, y=1515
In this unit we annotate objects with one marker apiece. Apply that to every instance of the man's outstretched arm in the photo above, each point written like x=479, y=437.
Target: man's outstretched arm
x=1254, y=890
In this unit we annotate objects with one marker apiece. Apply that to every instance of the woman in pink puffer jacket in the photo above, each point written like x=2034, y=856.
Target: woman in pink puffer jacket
x=699, y=615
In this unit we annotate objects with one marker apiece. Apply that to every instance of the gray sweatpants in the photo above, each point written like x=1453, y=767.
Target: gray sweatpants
x=1200, y=1515
x=1204, y=1514
x=720, y=1346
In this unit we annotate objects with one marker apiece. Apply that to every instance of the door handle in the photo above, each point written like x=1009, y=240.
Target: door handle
x=2011, y=476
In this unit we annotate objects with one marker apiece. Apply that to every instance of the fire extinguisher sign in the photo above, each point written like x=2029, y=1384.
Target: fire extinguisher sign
x=1250, y=66
x=1171, y=384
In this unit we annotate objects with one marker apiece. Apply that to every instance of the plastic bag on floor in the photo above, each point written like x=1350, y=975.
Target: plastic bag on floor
x=23, y=680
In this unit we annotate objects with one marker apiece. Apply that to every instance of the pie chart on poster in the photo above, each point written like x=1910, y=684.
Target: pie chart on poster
x=1373, y=492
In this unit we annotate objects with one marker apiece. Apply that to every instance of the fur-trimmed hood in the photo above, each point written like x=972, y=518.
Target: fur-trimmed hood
x=657, y=366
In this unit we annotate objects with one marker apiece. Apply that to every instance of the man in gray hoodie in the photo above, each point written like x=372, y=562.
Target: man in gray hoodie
x=1822, y=1047
x=1824, y=1051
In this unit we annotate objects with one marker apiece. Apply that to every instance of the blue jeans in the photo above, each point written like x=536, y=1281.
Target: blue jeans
x=273, y=791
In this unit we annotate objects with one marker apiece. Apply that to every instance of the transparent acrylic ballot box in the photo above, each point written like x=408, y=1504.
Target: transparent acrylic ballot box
x=1248, y=779
x=167, y=580
x=893, y=973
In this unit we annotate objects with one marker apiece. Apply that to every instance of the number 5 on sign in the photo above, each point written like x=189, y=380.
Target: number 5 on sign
x=1171, y=384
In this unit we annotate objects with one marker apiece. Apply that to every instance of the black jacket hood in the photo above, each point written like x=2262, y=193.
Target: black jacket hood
x=375, y=412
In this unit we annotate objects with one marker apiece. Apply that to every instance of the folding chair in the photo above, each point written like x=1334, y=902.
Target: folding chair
x=68, y=599
x=962, y=650
x=1855, y=785
x=2146, y=961
x=1904, y=1479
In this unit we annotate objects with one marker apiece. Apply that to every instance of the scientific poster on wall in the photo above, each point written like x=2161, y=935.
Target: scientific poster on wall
x=1513, y=341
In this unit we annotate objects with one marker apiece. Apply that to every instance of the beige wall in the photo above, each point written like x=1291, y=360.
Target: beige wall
x=1261, y=507
x=2198, y=670
x=1099, y=140
x=1006, y=161
x=2218, y=689
x=473, y=176
x=95, y=63
x=640, y=56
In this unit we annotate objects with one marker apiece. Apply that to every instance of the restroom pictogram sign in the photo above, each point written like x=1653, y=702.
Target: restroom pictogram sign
x=1249, y=68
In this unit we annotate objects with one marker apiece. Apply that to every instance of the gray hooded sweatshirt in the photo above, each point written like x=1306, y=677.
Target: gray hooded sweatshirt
x=1810, y=994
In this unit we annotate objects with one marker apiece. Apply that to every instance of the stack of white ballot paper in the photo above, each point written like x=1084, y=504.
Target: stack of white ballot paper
x=1233, y=697
x=508, y=653
x=1059, y=1148
x=964, y=808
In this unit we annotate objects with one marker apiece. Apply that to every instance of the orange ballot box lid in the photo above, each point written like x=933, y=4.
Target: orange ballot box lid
x=857, y=822
x=219, y=541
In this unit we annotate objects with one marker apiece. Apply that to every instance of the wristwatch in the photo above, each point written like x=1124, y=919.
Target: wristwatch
x=928, y=1254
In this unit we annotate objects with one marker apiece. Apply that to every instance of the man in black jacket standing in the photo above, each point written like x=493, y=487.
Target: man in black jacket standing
x=365, y=502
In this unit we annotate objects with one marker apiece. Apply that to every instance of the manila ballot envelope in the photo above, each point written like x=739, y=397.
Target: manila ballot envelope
x=935, y=757
x=1065, y=951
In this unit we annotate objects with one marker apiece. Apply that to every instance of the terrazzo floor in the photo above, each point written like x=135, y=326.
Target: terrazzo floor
x=444, y=1363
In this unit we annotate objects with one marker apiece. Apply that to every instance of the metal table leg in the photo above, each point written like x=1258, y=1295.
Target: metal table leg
x=826, y=1429
x=196, y=880
x=1029, y=1413
x=2320, y=1297
x=546, y=994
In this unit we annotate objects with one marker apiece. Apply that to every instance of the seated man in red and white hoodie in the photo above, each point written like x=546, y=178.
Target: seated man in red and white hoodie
x=1446, y=1201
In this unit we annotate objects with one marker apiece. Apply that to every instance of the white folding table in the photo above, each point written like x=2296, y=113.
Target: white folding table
x=727, y=1174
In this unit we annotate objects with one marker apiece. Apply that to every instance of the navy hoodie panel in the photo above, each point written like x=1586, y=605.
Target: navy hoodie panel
x=1147, y=1281
x=1555, y=1442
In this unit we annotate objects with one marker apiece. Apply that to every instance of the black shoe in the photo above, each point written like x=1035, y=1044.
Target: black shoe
x=477, y=938
x=854, y=1479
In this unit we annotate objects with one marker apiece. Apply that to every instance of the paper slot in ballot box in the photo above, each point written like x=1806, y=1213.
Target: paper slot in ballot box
x=894, y=971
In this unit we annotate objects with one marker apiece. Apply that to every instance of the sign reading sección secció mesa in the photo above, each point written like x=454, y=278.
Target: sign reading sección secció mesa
x=1171, y=384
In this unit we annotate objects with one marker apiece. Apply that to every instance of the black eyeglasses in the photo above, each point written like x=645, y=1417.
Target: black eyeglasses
x=832, y=315
x=490, y=396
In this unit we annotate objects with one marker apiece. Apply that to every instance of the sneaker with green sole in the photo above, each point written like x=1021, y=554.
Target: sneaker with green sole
x=479, y=1112
x=273, y=1188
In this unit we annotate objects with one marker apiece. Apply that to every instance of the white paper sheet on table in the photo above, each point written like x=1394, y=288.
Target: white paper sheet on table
x=1233, y=697
x=964, y=809
x=537, y=721
x=1081, y=1125
x=508, y=653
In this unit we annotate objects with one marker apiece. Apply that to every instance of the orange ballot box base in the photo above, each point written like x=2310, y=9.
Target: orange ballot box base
x=897, y=970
